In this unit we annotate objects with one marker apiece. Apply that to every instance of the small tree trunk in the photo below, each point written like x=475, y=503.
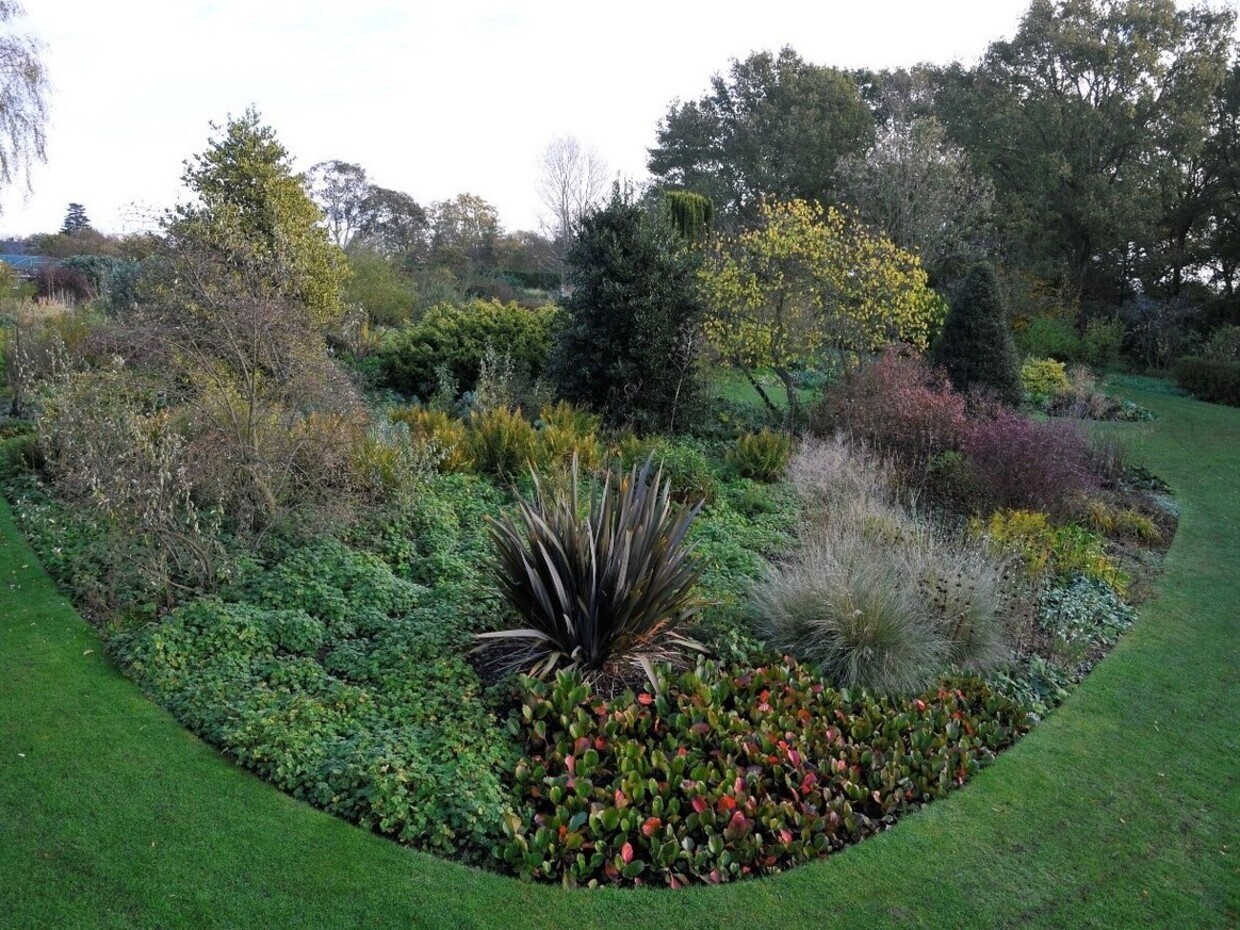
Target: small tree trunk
x=790, y=389
x=766, y=398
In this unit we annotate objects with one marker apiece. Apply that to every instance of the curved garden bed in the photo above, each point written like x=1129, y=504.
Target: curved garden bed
x=1074, y=810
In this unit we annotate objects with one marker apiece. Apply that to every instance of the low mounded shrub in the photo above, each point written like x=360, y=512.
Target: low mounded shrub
x=1215, y=381
x=711, y=776
x=687, y=469
x=458, y=337
x=1084, y=614
x=1051, y=337
x=1081, y=400
x=346, y=687
x=1223, y=345
x=1043, y=379
x=898, y=406
x=1023, y=464
x=1058, y=551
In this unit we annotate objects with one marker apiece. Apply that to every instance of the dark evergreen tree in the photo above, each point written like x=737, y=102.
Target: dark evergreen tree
x=976, y=347
x=75, y=220
x=628, y=346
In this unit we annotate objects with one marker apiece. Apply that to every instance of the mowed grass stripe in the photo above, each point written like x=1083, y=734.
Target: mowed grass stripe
x=1120, y=811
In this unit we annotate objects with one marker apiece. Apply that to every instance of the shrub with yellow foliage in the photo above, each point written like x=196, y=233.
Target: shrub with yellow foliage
x=807, y=279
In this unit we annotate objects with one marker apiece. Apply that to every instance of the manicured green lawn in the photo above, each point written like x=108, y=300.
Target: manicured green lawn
x=1121, y=811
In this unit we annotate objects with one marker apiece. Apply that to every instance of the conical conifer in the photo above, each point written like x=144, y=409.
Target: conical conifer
x=976, y=347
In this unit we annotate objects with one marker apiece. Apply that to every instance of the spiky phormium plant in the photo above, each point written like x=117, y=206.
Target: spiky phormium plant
x=602, y=592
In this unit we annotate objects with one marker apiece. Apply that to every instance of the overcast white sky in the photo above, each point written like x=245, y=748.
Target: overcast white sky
x=434, y=99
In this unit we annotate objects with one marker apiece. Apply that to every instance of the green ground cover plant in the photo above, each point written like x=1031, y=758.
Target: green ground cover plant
x=717, y=774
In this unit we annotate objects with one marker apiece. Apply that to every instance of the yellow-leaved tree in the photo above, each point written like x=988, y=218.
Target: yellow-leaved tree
x=807, y=279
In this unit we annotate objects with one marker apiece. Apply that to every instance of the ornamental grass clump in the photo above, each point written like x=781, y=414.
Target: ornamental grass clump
x=875, y=597
x=439, y=434
x=568, y=434
x=600, y=593
x=845, y=608
x=502, y=442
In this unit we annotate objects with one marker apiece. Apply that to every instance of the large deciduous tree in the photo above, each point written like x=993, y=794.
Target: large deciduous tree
x=339, y=188
x=1220, y=252
x=628, y=345
x=1084, y=119
x=359, y=213
x=806, y=279
x=463, y=234
x=774, y=126
x=572, y=179
x=24, y=89
x=393, y=223
x=918, y=188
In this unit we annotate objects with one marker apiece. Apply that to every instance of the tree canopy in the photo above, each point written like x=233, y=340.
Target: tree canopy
x=774, y=125
x=250, y=203
x=75, y=220
x=1083, y=118
x=809, y=278
x=238, y=303
x=24, y=90
x=627, y=347
x=919, y=188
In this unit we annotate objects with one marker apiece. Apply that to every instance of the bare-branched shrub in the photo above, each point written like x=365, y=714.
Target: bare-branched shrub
x=1024, y=464
x=497, y=382
x=899, y=406
x=270, y=418
x=109, y=452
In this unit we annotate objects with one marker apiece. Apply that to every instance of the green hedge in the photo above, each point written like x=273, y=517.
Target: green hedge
x=1210, y=380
